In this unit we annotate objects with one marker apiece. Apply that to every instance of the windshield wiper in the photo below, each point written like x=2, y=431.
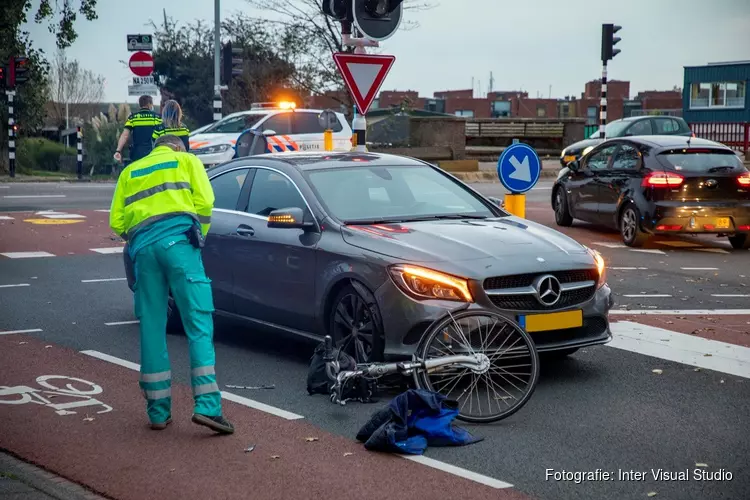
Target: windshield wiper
x=453, y=216
x=420, y=218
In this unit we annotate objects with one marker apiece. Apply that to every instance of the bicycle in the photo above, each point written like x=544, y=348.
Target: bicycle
x=432, y=365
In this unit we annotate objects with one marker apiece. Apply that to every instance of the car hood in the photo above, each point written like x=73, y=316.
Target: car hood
x=579, y=146
x=200, y=141
x=508, y=240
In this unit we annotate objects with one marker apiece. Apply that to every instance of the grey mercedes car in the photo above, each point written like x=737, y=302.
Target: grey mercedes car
x=372, y=248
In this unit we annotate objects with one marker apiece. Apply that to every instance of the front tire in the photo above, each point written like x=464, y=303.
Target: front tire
x=740, y=241
x=560, y=206
x=355, y=326
x=630, y=227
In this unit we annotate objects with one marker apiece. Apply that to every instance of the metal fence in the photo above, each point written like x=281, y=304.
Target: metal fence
x=735, y=135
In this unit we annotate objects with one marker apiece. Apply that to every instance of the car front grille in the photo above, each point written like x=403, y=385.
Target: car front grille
x=518, y=299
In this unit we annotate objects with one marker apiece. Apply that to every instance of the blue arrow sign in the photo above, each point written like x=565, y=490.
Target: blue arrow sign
x=519, y=168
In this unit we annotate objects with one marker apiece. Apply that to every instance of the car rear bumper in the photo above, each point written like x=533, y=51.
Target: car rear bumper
x=405, y=321
x=709, y=218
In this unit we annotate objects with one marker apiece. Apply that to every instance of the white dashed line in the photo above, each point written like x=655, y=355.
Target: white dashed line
x=14, y=332
x=34, y=196
x=609, y=245
x=699, y=268
x=628, y=268
x=107, y=250
x=105, y=211
x=642, y=250
x=26, y=255
x=14, y=286
x=5, y=217
x=118, y=323
x=683, y=312
x=103, y=280
x=686, y=349
x=63, y=216
x=4, y=187
x=458, y=471
x=652, y=295
x=730, y=295
x=250, y=403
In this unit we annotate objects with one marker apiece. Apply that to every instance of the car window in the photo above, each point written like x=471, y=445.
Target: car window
x=392, y=192
x=279, y=123
x=227, y=188
x=666, y=126
x=272, y=191
x=233, y=125
x=626, y=158
x=703, y=160
x=600, y=159
x=641, y=127
x=308, y=123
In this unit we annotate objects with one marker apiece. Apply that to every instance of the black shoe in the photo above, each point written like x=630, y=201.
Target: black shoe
x=218, y=424
x=160, y=426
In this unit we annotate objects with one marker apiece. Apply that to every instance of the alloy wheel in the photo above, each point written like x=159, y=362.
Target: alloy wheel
x=354, y=327
x=629, y=225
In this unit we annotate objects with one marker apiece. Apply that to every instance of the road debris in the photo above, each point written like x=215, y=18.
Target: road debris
x=47, y=346
x=348, y=454
x=651, y=494
x=274, y=457
x=696, y=369
x=22, y=343
x=657, y=371
x=707, y=355
x=88, y=419
x=311, y=439
x=701, y=465
x=251, y=387
x=250, y=448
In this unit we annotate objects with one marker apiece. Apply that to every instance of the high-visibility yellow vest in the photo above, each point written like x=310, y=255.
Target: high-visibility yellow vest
x=162, y=184
x=181, y=132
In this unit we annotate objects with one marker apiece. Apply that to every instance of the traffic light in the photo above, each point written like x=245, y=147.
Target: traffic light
x=337, y=9
x=232, y=57
x=22, y=69
x=609, y=40
x=3, y=77
x=377, y=19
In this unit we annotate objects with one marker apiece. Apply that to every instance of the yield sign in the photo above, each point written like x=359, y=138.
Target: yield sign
x=363, y=75
x=141, y=63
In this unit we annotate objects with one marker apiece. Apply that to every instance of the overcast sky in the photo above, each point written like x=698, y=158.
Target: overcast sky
x=528, y=45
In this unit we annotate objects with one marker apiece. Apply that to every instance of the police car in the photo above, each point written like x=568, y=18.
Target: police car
x=284, y=127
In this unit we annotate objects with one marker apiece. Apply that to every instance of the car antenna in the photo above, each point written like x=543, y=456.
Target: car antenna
x=689, y=138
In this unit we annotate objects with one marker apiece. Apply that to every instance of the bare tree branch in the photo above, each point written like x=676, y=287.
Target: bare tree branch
x=80, y=88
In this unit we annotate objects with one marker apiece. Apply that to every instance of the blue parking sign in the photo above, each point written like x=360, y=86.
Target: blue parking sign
x=519, y=168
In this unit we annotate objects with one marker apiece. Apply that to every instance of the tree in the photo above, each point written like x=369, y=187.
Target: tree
x=78, y=87
x=31, y=97
x=321, y=35
x=184, y=64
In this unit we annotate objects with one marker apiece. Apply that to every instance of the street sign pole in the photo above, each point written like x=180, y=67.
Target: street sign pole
x=519, y=169
x=11, y=134
x=217, y=57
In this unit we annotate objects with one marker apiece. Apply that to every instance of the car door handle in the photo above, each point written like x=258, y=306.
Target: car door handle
x=244, y=230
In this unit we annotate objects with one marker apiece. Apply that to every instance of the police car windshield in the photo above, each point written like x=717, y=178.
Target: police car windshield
x=234, y=124
x=393, y=193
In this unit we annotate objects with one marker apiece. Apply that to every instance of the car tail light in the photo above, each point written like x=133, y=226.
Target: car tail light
x=672, y=227
x=744, y=179
x=743, y=228
x=662, y=179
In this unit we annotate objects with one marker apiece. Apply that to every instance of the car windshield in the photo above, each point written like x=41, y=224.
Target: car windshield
x=705, y=160
x=612, y=129
x=394, y=193
x=234, y=124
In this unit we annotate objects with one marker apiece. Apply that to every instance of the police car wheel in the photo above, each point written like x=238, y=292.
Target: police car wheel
x=174, y=322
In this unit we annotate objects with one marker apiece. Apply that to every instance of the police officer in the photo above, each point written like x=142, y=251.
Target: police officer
x=139, y=127
x=162, y=207
x=171, y=116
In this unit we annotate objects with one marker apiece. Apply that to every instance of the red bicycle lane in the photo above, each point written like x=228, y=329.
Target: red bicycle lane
x=114, y=453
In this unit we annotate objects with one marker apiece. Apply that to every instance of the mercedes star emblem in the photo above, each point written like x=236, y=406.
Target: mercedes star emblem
x=548, y=290
x=711, y=183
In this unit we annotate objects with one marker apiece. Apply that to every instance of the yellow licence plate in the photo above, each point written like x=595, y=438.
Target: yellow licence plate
x=568, y=159
x=552, y=321
x=722, y=223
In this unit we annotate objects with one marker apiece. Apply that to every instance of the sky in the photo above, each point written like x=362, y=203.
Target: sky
x=544, y=47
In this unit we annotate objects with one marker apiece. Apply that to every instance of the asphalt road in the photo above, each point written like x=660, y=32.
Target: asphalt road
x=603, y=408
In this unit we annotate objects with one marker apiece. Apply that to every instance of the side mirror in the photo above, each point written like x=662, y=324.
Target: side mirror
x=573, y=166
x=268, y=133
x=497, y=201
x=292, y=218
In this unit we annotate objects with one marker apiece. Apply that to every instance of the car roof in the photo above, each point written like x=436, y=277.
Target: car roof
x=646, y=117
x=319, y=160
x=268, y=111
x=672, y=141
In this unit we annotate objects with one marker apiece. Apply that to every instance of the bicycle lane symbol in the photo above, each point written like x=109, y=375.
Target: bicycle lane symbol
x=22, y=394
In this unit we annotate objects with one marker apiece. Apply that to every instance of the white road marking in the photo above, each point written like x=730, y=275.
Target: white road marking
x=699, y=268
x=107, y=250
x=250, y=403
x=106, y=211
x=5, y=217
x=49, y=212
x=686, y=349
x=118, y=323
x=458, y=471
x=683, y=312
x=16, y=285
x=642, y=250
x=34, y=196
x=609, y=245
x=730, y=295
x=711, y=250
x=628, y=268
x=26, y=255
x=103, y=280
x=64, y=216
x=650, y=295
x=4, y=187
x=14, y=332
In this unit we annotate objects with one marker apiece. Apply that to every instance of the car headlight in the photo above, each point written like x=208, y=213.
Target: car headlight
x=562, y=154
x=219, y=148
x=422, y=284
x=601, y=267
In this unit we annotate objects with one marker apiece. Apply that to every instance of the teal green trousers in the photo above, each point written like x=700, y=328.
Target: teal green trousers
x=172, y=263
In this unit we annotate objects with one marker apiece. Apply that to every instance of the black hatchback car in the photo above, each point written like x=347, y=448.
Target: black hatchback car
x=657, y=185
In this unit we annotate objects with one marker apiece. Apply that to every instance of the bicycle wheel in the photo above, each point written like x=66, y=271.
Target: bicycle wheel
x=92, y=387
x=496, y=390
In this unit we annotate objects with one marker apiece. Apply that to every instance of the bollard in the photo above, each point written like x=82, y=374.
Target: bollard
x=359, y=127
x=515, y=204
x=328, y=140
x=79, y=157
